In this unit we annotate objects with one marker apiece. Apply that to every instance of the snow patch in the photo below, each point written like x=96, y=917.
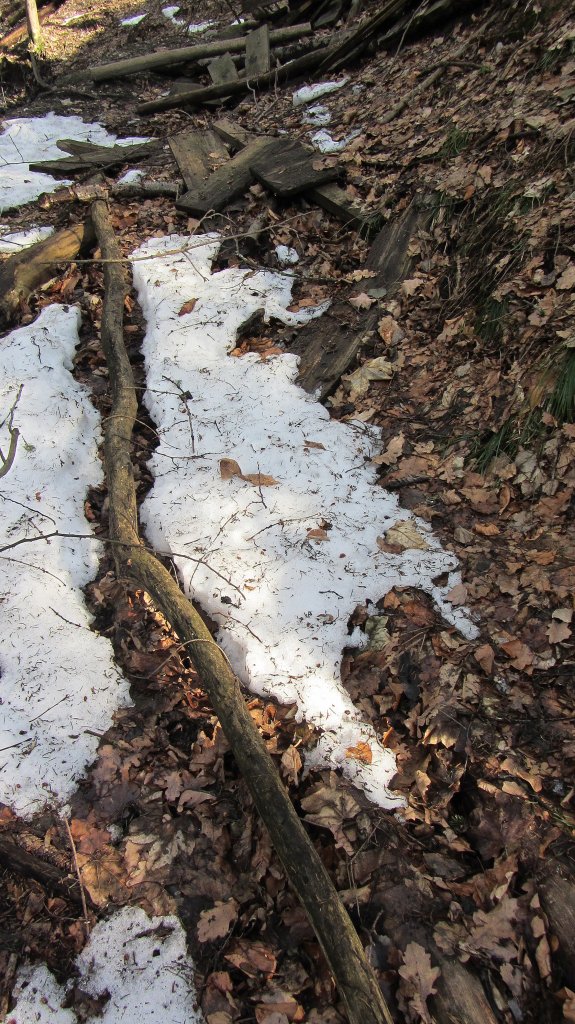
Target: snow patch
x=308, y=93
x=131, y=177
x=282, y=596
x=58, y=678
x=317, y=115
x=324, y=142
x=29, y=139
x=137, y=966
x=134, y=20
x=286, y=255
x=15, y=241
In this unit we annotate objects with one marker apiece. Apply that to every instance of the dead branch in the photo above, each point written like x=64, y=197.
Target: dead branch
x=25, y=271
x=183, y=54
x=356, y=980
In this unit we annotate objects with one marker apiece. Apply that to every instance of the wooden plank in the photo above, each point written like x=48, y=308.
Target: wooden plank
x=232, y=133
x=195, y=154
x=288, y=168
x=329, y=345
x=181, y=55
x=335, y=200
x=223, y=70
x=258, y=52
x=95, y=156
x=226, y=183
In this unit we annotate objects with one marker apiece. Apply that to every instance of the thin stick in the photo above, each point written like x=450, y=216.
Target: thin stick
x=78, y=876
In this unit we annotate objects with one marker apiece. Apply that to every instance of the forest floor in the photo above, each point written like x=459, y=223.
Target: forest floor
x=477, y=439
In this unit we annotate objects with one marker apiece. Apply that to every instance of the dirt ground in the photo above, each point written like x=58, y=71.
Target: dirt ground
x=478, y=438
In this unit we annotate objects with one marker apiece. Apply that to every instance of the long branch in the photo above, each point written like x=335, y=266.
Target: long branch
x=355, y=978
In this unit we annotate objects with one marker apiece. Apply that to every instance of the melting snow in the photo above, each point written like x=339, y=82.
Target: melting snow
x=308, y=93
x=286, y=255
x=137, y=966
x=323, y=141
x=58, y=678
x=318, y=115
x=15, y=241
x=27, y=139
x=282, y=598
x=134, y=20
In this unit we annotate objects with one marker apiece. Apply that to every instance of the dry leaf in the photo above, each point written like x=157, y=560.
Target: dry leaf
x=259, y=479
x=216, y=922
x=317, y=534
x=313, y=444
x=188, y=307
x=558, y=632
x=361, y=752
x=374, y=369
x=362, y=301
x=229, y=468
x=418, y=978
x=485, y=655
x=291, y=763
x=405, y=535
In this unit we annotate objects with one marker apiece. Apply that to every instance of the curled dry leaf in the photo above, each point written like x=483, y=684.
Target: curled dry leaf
x=229, y=468
x=188, y=307
x=362, y=301
x=361, y=752
x=216, y=922
x=317, y=534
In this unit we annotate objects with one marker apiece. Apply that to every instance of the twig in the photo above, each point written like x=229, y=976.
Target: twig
x=78, y=876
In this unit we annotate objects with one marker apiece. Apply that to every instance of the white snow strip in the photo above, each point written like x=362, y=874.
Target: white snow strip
x=15, y=241
x=324, y=142
x=134, y=20
x=170, y=13
x=317, y=115
x=58, y=678
x=282, y=599
x=308, y=93
x=29, y=139
x=200, y=26
x=137, y=966
x=130, y=177
x=286, y=255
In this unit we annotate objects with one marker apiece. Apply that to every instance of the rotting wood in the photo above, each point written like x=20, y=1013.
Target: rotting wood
x=15, y=858
x=223, y=70
x=460, y=996
x=356, y=981
x=96, y=156
x=25, y=271
x=330, y=196
x=182, y=55
x=363, y=34
x=335, y=200
x=327, y=346
x=195, y=154
x=280, y=75
x=287, y=168
x=258, y=52
x=557, y=894
x=223, y=185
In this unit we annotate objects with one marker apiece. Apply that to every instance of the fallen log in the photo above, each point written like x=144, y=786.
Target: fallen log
x=14, y=857
x=278, y=76
x=25, y=271
x=355, y=978
x=182, y=55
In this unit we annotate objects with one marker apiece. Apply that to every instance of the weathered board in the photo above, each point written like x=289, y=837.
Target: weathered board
x=328, y=346
x=196, y=153
x=95, y=156
x=287, y=168
x=229, y=181
x=232, y=133
x=258, y=52
x=336, y=201
x=223, y=70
